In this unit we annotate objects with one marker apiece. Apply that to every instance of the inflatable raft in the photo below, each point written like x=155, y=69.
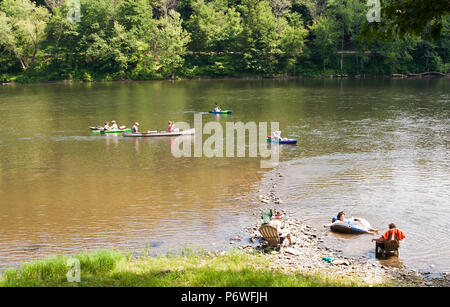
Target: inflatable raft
x=353, y=225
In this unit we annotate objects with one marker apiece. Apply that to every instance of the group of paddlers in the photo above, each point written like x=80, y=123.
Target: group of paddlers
x=135, y=128
x=113, y=126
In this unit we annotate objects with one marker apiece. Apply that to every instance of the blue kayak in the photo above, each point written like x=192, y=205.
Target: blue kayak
x=287, y=141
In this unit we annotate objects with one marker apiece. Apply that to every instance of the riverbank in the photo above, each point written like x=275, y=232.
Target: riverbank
x=189, y=269
x=299, y=265
x=310, y=247
x=249, y=262
x=424, y=75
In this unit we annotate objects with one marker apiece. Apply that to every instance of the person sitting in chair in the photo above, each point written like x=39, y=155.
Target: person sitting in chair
x=392, y=233
x=277, y=222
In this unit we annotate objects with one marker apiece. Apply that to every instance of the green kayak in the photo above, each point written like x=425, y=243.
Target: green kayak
x=221, y=112
x=110, y=131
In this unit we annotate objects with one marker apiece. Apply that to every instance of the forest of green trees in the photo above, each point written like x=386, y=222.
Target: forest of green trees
x=51, y=40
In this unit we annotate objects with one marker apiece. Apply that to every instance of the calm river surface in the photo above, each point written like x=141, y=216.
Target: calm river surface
x=377, y=149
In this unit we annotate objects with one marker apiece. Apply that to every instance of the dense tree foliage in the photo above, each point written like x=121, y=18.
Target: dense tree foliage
x=402, y=17
x=153, y=39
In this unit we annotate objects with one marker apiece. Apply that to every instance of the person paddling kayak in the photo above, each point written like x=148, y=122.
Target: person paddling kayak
x=277, y=136
x=135, y=128
x=217, y=108
x=106, y=126
x=114, y=125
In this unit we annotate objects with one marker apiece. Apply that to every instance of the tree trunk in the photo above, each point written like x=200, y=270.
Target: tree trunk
x=342, y=53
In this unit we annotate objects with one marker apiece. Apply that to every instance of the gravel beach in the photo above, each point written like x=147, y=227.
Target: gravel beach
x=309, y=247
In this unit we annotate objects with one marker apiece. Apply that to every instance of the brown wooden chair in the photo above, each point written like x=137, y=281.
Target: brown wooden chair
x=270, y=234
x=387, y=248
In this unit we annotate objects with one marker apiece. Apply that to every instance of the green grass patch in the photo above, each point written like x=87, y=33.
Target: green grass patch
x=189, y=268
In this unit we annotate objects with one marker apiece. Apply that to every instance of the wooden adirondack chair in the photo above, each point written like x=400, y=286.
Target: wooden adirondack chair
x=271, y=235
x=387, y=248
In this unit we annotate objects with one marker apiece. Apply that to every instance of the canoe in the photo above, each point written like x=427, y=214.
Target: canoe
x=351, y=226
x=159, y=134
x=287, y=141
x=221, y=112
x=111, y=131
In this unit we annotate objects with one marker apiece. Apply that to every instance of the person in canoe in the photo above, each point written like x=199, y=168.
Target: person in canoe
x=171, y=127
x=106, y=126
x=217, y=108
x=135, y=128
x=114, y=125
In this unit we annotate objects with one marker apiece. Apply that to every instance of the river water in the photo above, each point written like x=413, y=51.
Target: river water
x=378, y=149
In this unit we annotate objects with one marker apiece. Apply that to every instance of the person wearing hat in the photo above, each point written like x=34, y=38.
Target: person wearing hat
x=135, y=128
x=276, y=222
x=114, y=125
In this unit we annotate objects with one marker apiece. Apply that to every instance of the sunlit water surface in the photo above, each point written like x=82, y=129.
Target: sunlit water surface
x=377, y=149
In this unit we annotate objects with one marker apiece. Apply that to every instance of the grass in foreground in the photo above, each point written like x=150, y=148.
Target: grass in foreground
x=193, y=269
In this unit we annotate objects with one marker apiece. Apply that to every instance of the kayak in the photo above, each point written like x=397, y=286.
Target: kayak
x=101, y=128
x=287, y=141
x=111, y=131
x=354, y=225
x=156, y=134
x=221, y=112
x=96, y=128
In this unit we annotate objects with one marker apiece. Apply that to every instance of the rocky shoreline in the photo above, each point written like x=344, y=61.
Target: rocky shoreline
x=309, y=247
